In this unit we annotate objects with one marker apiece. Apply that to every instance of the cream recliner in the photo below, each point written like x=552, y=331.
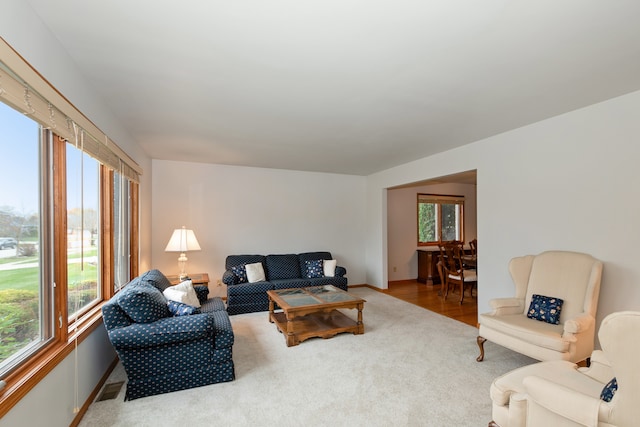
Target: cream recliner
x=508, y=393
x=571, y=276
x=560, y=394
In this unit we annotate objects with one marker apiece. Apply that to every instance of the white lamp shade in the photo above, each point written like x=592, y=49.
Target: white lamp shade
x=182, y=240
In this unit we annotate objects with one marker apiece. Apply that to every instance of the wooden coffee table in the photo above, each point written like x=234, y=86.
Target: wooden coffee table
x=313, y=312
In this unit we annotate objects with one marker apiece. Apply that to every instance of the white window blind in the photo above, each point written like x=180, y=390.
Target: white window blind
x=24, y=89
x=441, y=199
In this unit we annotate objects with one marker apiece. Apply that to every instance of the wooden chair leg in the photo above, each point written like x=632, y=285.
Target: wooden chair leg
x=480, y=340
x=461, y=292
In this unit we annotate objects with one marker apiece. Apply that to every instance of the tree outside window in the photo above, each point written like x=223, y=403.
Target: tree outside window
x=440, y=219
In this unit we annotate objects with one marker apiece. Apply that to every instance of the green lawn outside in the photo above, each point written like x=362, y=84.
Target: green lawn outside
x=29, y=278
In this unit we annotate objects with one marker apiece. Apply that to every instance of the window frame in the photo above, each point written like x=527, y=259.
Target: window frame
x=439, y=200
x=67, y=333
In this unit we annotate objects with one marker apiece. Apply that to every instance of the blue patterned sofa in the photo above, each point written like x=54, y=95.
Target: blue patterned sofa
x=281, y=272
x=162, y=352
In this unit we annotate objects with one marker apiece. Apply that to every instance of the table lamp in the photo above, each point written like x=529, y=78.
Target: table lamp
x=183, y=241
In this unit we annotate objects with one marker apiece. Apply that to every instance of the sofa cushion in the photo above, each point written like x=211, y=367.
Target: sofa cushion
x=291, y=283
x=283, y=267
x=249, y=288
x=143, y=302
x=520, y=327
x=313, y=269
x=233, y=260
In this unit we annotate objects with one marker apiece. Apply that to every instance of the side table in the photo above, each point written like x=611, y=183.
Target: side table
x=196, y=278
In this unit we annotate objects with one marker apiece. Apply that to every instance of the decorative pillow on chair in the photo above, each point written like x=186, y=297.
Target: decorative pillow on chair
x=183, y=293
x=329, y=266
x=241, y=273
x=545, y=309
x=314, y=268
x=609, y=390
x=181, y=309
x=255, y=272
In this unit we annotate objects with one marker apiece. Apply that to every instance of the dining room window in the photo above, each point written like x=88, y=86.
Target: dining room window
x=440, y=219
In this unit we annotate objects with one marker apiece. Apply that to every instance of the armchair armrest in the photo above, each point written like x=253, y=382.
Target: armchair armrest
x=170, y=330
x=229, y=279
x=560, y=400
x=202, y=292
x=502, y=306
x=580, y=323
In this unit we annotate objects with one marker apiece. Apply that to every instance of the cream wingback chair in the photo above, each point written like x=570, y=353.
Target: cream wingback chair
x=569, y=401
x=556, y=281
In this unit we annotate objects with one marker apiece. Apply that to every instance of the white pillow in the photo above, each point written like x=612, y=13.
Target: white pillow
x=329, y=267
x=255, y=272
x=184, y=293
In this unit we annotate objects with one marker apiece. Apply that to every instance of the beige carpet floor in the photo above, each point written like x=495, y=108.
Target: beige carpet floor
x=412, y=367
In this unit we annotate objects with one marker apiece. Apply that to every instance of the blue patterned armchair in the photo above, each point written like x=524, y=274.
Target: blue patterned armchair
x=161, y=352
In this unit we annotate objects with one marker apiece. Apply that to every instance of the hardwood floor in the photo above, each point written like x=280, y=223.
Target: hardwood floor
x=426, y=296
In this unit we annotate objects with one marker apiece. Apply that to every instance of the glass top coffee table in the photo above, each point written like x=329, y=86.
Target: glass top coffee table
x=313, y=312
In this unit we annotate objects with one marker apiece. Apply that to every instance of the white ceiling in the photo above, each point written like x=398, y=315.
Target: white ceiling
x=345, y=86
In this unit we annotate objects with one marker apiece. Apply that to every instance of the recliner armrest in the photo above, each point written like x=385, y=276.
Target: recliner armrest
x=169, y=330
x=502, y=306
x=561, y=400
x=600, y=368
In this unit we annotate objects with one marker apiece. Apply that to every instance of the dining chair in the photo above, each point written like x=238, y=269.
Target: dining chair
x=474, y=247
x=454, y=272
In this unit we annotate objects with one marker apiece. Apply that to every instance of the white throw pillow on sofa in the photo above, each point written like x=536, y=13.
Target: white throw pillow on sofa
x=329, y=267
x=255, y=272
x=184, y=293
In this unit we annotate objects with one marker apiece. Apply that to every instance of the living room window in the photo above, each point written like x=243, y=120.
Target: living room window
x=440, y=219
x=83, y=224
x=26, y=323
x=122, y=223
x=64, y=186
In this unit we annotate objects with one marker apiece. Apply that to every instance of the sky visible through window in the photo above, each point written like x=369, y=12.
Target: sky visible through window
x=19, y=159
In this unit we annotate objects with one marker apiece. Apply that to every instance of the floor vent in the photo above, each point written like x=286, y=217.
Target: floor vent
x=110, y=391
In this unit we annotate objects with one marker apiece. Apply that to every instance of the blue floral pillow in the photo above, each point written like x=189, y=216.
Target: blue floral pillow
x=314, y=268
x=241, y=273
x=181, y=309
x=609, y=390
x=545, y=309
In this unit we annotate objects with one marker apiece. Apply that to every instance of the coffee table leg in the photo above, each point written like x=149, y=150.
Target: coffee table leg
x=271, y=309
x=291, y=337
x=360, y=323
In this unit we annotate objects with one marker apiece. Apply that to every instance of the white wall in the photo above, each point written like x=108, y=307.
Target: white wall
x=568, y=183
x=402, y=228
x=53, y=397
x=244, y=210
